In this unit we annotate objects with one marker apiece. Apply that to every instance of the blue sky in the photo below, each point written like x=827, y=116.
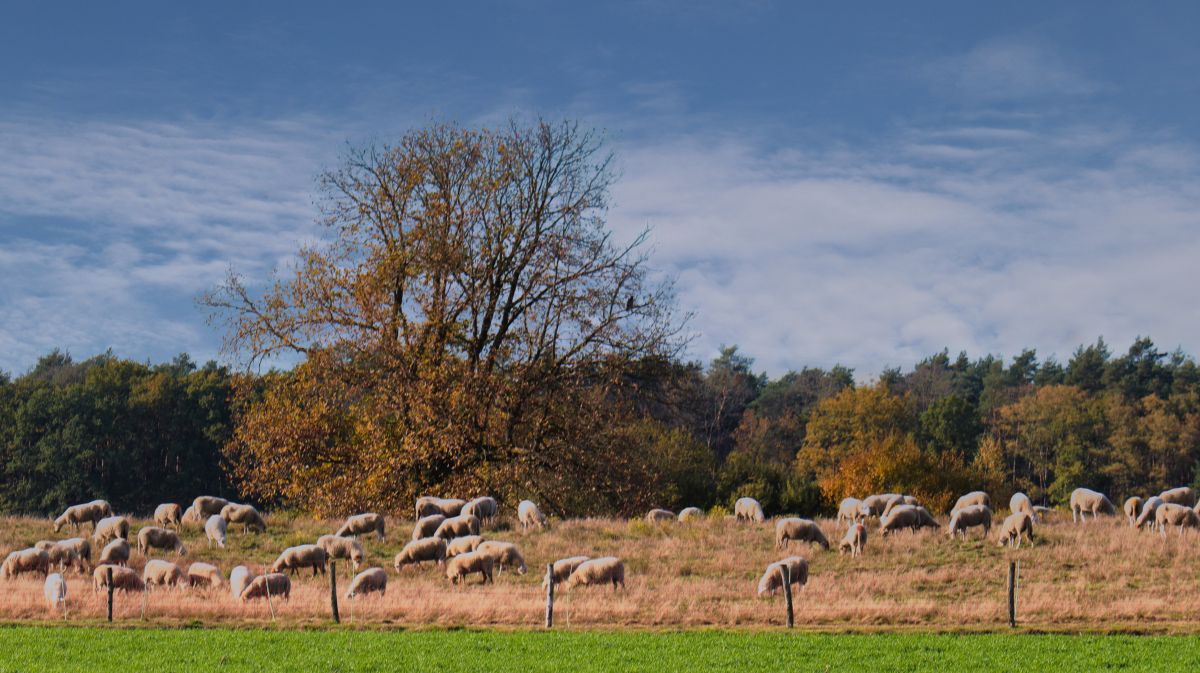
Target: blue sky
x=828, y=185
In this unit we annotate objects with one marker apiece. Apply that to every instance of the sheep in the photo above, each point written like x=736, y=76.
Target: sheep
x=66, y=554
x=427, y=526
x=854, y=541
x=245, y=515
x=457, y=526
x=240, y=578
x=162, y=573
x=1013, y=527
x=660, y=516
x=690, y=513
x=275, y=585
x=794, y=528
x=419, y=551
x=1172, y=514
x=873, y=505
x=301, y=556
x=82, y=547
x=772, y=579
x=504, y=554
x=111, y=527
x=342, y=547
x=849, y=511
x=447, y=507
x=1184, y=495
x=77, y=514
x=972, y=498
x=1019, y=502
x=1149, y=508
x=1086, y=500
x=530, y=516
x=116, y=552
x=970, y=517
x=748, y=509
x=168, y=514
x=123, y=579
x=459, y=567
x=896, y=502
x=368, y=581
x=360, y=524
x=204, y=574
x=159, y=538
x=483, y=508
x=906, y=516
x=603, y=570
x=1131, y=508
x=462, y=545
x=23, y=561
x=214, y=530
x=55, y=591
x=208, y=505
x=562, y=569
x=191, y=515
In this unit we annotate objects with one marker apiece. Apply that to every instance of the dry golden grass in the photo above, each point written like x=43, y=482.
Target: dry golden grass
x=1101, y=575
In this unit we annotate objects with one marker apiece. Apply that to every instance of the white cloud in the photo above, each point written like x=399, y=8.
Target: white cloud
x=1011, y=68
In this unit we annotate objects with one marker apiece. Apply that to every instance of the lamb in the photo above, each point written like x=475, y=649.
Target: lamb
x=447, y=507
x=970, y=517
x=368, y=581
x=168, y=514
x=204, y=574
x=896, y=502
x=77, y=514
x=504, y=554
x=116, y=552
x=972, y=498
x=245, y=515
x=462, y=545
x=208, y=505
x=772, y=579
x=748, y=509
x=462, y=565
x=361, y=524
x=427, y=526
x=660, y=516
x=794, y=528
x=214, y=530
x=159, y=538
x=342, y=547
x=1086, y=500
x=240, y=578
x=1014, y=526
x=275, y=584
x=419, y=551
x=873, y=505
x=1184, y=495
x=162, y=573
x=1149, y=509
x=912, y=517
x=1171, y=514
x=55, y=591
x=457, y=526
x=849, y=511
x=23, y=561
x=562, y=569
x=690, y=514
x=1131, y=507
x=110, y=528
x=1019, y=502
x=123, y=579
x=301, y=556
x=530, y=516
x=854, y=541
x=603, y=570
x=483, y=508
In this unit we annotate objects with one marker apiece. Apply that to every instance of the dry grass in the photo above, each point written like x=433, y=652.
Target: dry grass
x=1101, y=575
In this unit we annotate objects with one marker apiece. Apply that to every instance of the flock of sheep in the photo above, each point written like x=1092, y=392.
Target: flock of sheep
x=448, y=533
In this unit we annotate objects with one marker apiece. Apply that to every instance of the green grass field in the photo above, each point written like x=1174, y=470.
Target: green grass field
x=30, y=649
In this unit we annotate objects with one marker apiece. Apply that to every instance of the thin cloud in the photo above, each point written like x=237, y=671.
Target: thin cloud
x=1011, y=68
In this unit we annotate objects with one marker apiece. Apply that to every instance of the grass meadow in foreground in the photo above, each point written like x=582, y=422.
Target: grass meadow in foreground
x=68, y=649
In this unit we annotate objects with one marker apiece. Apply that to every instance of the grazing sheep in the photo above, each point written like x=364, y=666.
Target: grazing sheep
x=240, y=578
x=457, y=526
x=504, y=554
x=462, y=545
x=208, y=505
x=428, y=505
x=854, y=541
x=1041, y=512
x=483, y=508
x=690, y=514
x=361, y=524
x=23, y=561
x=368, y=581
x=772, y=579
x=419, y=551
x=427, y=526
x=970, y=516
x=530, y=516
x=301, y=556
x=191, y=515
x=1184, y=495
x=245, y=515
x=161, y=573
x=1149, y=509
x=276, y=584
x=1131, y=508
x=349, y=548
x=77, y=514
x=214, y=530
x=660, y=516
x=603, y=570
x=873, y=505
x=911, y=517
x=896, y=502
x=168, y=514
x=116, y=552
x=794, y=528
x=1171, y=514
x=65, y=554
x=204, y=574
x=82, y=547
x=110, y=528
x=123, y=579
x=1014, y=526
x=55, y=591
x=471, y=562
x=972, y=498
x=152, y=537
x=563, y=568
x=849, y=511
x=1086, y=500
x=748, y=509
x=1019, y=502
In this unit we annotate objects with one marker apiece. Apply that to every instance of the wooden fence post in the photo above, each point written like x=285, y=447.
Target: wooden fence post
x=269, y=605
x=110, y=593
x=549, y=595
x=1012, y=594
x=333, y=591
x=786, y=572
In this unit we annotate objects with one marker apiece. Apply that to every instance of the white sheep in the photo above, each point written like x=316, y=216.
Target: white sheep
x=246, y=515
x=748, y=509
x=972, y=498
x=1184, y=495
x=483, y=508
x=1086, y=500
x=457, y=526
x=419, y=551
x=1132, y=506
x=598, y=571
x=153, y=537
x=459, y=567
x=912, y=517
x=896, y=502
x=301, y=556
x=1014, y=526
x=873, y=505
x=530, y=516
x=426, y=526
x=849, y=510
x=191, y=515
x=67, y=553
x=660, y=516
x=803, y=530
x=503, y=554
x=204, y=574
x=55, y=591
x=214, y=530
x=32, y=560
x=123, y=579
x=447, y=507
x=348, y=548
x=1019, y=502
x=1149, y=509
x=1171, y=514
x=371, y=580
x=277, y=585
x=690, y=514
x=361, y=524
x=562, y=569
x=208, y=505
x=240, y=578
x=162, y=573
x=110, y=528
x=970, y=516
x=854, y=541
x=168, y=514
x=116, y=552
x=462, y=545
x=90, y=512
x=772, y=579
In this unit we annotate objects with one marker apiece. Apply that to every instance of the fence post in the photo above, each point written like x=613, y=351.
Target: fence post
x=1012, y=593
x=110, y=593
x=270, y=606
x=787, y=591
x=333, y=591
x=549, y=595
